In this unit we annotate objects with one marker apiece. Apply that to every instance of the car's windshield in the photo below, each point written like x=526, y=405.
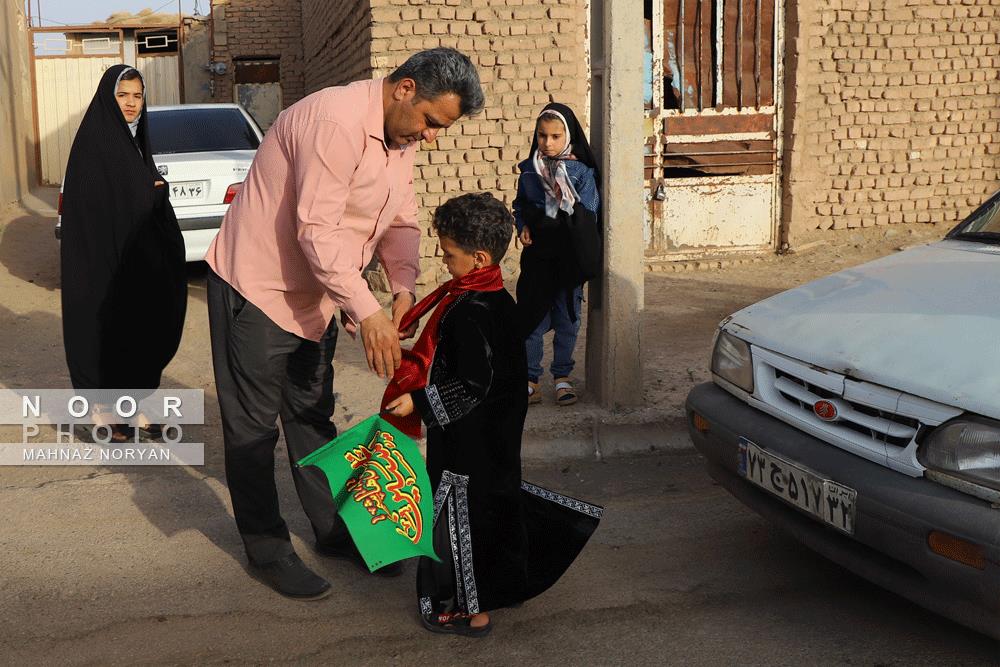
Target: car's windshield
x=983, y=225
x=195, y=130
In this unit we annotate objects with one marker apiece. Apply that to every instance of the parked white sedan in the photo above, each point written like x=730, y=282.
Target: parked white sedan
x=204, y=151
x=861, y=412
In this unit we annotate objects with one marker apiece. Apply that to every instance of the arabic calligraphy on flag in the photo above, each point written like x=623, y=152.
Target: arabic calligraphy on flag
x=386, y=475
x=380, y=485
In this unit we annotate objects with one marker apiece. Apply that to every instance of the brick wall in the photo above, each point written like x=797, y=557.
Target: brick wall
x=255, y=28
x=529, y=52
x=336, y=42
x=892, y=111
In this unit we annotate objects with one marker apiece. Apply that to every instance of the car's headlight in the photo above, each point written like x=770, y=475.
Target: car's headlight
x=968, y=447
x=732, y=362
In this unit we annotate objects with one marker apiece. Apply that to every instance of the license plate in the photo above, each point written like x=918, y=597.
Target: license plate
x=824, y=499
x=188, y=190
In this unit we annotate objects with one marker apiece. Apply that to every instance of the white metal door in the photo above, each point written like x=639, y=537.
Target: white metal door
x=65, y=88
x=162, y=81
x=69, y=63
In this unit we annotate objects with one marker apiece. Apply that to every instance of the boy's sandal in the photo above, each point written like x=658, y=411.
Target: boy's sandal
x=454, y=624
x=533, y=395
x=565, y=394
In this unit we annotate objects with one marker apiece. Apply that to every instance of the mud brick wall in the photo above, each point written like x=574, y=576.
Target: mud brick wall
x=259, y=28
x=336, y=42
x=529, y=52
x=892, y=111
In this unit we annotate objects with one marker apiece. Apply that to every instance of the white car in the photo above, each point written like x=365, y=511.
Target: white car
x=861, y=412
x=204, y=151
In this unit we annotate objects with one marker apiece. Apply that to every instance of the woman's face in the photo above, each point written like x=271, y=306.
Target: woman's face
x=551, y=136
x=129, y=98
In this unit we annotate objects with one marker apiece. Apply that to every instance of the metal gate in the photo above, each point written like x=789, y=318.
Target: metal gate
x=68, y=64
x=713, y=118
x=158, y=58
x=257, y=88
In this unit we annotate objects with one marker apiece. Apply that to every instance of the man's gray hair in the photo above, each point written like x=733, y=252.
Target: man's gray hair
x=443, y=70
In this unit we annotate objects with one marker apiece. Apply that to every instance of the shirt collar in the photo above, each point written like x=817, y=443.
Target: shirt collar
x=375, y=123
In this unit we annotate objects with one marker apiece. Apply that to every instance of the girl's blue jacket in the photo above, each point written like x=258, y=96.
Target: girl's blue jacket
x=531, y=191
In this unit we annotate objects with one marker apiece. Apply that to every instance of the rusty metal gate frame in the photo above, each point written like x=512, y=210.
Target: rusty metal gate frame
x=655, y=118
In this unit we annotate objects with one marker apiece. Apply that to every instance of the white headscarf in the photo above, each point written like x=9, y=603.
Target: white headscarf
x=559, y=190
x=133, y=127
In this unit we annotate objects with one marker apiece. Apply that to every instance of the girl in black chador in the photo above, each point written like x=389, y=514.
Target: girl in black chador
x=556, y=212
x=124, y=289
x=500, y=540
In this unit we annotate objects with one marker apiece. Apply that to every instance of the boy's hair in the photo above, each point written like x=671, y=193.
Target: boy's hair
x=476, y=221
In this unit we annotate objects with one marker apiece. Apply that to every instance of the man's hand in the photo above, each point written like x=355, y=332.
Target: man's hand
x=381, y=341
x=402, y=406
x=525, y=236
x=401, y=304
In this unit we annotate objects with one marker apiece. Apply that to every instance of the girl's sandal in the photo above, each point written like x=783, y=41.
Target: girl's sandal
x=533, y=395
x=454, y=624
x=565, y=394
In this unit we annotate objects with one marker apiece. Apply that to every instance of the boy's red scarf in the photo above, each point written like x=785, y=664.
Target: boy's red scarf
x=412, y=372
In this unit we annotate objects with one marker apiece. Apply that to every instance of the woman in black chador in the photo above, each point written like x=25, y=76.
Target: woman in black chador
x=500, y=540
x=124, y=288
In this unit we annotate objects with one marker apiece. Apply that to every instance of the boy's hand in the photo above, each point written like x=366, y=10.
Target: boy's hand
x=525, y=236
x=401, y=304
x=381, y=341
x=402, y=406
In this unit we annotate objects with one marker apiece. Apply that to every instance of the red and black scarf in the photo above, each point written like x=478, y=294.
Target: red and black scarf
x=412, y=372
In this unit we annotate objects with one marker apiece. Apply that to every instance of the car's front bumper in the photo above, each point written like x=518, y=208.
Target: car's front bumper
x=894, y=513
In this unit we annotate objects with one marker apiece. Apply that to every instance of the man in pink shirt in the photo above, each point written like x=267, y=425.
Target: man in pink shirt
x=331, y=187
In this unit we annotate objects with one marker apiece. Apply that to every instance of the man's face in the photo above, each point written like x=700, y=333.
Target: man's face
x=409, y=117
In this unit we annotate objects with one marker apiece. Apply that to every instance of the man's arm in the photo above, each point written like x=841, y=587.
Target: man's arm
x=324, y=162
x=399, y=252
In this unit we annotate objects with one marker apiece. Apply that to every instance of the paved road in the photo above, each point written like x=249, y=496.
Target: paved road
x=141, y=565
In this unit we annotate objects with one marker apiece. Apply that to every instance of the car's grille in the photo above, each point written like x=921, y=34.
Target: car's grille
x=867, y=421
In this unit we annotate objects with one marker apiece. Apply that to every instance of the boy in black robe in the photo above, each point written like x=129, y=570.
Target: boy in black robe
x=500, y=540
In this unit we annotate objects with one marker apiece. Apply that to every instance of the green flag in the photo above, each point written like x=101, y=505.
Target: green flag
x=383, y=494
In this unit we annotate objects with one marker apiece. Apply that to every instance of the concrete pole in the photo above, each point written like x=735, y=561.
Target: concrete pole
x=614, y=359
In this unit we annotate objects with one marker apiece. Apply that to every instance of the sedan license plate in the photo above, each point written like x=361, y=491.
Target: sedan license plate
x=828, y=501
x=188, y=190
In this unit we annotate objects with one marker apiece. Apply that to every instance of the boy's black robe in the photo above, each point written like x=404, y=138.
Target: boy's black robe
x=501, y=540
x=124, y=286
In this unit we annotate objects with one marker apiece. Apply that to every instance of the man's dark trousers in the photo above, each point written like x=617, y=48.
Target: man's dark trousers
x=263, y=372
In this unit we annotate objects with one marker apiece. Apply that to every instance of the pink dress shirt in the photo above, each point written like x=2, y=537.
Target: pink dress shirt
x=325, y=192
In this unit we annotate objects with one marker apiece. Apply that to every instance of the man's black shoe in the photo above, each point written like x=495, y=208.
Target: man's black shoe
x=347, y=551
x=290, y=577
